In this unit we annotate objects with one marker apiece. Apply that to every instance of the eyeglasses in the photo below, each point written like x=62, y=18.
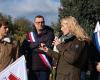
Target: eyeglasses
x=39, y=22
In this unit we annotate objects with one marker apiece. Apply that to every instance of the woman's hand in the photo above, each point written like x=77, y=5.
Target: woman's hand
x=56, y=41
x=43, y=47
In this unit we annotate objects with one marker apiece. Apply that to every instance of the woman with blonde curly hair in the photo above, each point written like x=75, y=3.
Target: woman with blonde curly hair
x=74, y=28
x=72, y=56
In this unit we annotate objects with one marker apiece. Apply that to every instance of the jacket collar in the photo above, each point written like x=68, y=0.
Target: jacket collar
x=6, y=39
x=66, y=38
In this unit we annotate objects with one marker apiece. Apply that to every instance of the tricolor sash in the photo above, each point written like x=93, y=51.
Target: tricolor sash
x=32, y=38
x=97, y=40
x=96, y=36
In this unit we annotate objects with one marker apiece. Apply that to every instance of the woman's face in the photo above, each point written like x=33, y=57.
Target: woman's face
x=64, y=27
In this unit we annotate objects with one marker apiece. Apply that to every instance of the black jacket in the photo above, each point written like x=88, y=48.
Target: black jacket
x=31, y=49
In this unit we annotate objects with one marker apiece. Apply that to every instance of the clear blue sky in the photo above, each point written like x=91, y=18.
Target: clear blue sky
x=30, y=8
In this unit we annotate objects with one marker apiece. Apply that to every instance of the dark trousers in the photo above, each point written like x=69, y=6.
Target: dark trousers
x=98, y=76
x=38, y=75
x=83, y=75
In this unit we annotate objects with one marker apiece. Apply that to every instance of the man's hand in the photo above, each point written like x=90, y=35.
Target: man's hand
x=43, y=47
x=98, y=67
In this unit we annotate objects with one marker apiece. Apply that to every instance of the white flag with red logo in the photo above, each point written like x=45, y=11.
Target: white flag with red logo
x=15, y=71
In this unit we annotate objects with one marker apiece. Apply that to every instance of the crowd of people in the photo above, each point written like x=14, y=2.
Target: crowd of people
x=75, y=52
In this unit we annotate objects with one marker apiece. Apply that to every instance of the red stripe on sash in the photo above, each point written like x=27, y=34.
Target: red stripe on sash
x=44, y=60
x=30, y=37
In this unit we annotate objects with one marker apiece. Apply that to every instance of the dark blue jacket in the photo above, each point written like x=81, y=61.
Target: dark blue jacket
x=31, y=49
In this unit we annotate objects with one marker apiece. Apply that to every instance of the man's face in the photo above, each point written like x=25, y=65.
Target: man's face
x=3, y=30
x=39, y=23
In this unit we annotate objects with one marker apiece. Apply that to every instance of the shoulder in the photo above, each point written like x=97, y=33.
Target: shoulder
x=78, y=44
x=49, y=28
x=14, y=44
x=74, y=40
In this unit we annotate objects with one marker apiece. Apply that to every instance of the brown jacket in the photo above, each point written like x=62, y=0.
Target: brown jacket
x=8, y=53
x=68, y=56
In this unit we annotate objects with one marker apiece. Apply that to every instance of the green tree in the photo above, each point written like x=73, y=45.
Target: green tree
x=18, y=27
x=22, y=25
x=87, y=12
x=56, y=27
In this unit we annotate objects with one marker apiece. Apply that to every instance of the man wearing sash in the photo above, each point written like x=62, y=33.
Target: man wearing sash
x=38, y=63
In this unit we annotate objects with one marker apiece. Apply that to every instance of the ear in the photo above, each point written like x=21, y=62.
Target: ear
x=33, y=24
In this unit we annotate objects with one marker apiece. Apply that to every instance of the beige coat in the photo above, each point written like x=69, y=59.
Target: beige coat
x=8, y=53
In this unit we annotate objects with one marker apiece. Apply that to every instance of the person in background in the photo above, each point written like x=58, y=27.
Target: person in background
x=72, y=56
x=38, y=63
x=8, y=47
x=94, y=60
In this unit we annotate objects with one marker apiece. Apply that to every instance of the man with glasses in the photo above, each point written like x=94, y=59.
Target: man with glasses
x=38, y=63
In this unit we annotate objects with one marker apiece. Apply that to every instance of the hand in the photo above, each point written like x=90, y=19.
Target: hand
x=56, y=41
x=98, y=67
x=43, y=47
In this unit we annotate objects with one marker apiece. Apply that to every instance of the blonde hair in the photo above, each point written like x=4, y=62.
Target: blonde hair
x=75, y=28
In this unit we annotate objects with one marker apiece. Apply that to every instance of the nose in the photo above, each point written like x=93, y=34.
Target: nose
x=61, y=28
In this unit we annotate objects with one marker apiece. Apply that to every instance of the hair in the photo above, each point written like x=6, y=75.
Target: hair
x=39, y=16
x=3, y=21
x=75, y=28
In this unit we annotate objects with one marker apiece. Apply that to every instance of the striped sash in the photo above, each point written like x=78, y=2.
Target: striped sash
x=32, y=38
x=96, y=36
x=97, y=40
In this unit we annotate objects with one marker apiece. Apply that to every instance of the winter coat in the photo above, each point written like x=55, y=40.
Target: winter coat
x=31, y=49
x=8, y=53
x=71, y=58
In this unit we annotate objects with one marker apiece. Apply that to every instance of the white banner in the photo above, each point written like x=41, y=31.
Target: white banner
x=15, y=71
